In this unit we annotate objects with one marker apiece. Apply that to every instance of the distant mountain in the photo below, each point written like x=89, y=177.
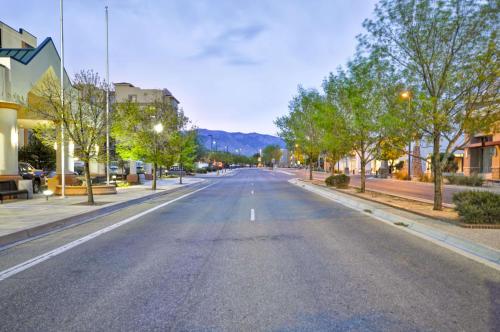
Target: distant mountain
x=248, y=143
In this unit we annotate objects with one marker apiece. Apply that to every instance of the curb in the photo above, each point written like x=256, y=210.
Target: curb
x=472, y=250
x=25, y=234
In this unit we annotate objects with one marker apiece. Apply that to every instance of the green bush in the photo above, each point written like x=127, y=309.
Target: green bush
x=201, y=171
x=338, y=181
x=462, y=180
x=425, y=178
x=478, y=207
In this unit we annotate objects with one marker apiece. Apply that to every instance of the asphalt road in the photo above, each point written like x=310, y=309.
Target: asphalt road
x=202, y=264
x=411, y=189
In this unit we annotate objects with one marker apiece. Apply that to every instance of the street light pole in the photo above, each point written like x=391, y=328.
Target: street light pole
x=407, y=95
x=158, y=128
x=63, y=170
x=107, y=98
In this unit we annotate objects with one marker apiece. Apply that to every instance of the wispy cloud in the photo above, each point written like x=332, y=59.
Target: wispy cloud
x=227, y=46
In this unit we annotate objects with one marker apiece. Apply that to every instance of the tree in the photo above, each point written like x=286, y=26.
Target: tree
x=82, y=114
x=359, y=94
x=41, y=156
x=142, y=132
x=335, y=140
x=299, y=127
x=271, y=154
x=183, y=145
x=448, y=50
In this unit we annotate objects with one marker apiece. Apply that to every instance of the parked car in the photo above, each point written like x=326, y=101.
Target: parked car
x=28, y=172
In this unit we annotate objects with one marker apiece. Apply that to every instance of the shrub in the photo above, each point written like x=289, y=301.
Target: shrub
x=425, y=178
x=201, y=171
x=462, y=180
x=401, y=175
x=338, y=181
x=478, y=207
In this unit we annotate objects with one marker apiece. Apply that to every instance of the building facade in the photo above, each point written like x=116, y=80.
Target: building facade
x=128, y=92
x=23, y=64
x=482, y=154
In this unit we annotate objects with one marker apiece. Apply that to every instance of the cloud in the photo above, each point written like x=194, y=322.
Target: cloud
x=227, y=46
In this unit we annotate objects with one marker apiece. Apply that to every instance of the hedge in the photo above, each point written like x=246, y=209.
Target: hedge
x=338, y=181
x=462, y=180
x=478, y=207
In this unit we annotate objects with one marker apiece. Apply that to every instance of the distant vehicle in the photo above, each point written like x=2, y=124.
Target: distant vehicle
x=79, y=167
x=51, y=174
x=28, y=172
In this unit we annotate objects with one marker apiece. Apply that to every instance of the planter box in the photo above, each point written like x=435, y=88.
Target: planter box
x=82, y=190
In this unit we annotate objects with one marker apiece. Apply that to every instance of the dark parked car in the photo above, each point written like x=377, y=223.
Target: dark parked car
x=28, y=172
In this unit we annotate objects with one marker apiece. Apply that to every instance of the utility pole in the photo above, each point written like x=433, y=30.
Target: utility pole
x=63, y=170
x=107, y=98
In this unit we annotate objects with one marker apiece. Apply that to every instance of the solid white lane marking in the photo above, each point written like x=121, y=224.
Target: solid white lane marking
x=43, y=257
x=252, y=215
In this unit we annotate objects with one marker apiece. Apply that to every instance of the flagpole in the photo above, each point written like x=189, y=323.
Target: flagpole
x=63, y=170
x=107, y=98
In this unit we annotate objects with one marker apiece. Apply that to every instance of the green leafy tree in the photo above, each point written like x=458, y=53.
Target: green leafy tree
x=447, y=50
x=142, y=132
x=271, y=154
x=41, y=156
x=183, y=145
x=299, y=126
x=335, y=141
x=359, y=94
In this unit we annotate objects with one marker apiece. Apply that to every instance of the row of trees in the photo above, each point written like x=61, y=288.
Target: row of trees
x=156, y=133
x=423, y=71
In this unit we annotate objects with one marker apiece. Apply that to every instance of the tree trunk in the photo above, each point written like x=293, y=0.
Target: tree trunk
x=90, y=193
x=363, y=175
x=409, y=161
x=310, y=169
x=438, y=173
x=180, y=177
x=154, y=176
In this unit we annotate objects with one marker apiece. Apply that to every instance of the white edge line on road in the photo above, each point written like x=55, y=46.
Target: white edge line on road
x=43, y=257
x=252, y=215
x=471, y=255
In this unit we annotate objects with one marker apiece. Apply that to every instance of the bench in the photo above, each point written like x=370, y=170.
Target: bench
x=9, y=188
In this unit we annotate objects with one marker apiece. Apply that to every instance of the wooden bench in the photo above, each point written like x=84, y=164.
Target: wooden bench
x=9, y=188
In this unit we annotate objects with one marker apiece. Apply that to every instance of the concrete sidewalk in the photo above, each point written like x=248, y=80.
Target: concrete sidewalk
x=20, y=219
x=415, y=190
x=479, y=244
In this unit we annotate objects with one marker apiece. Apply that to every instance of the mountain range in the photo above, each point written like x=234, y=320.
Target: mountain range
x=244, y=143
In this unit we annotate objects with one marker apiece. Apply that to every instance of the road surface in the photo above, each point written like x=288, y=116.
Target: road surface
x=249, y=253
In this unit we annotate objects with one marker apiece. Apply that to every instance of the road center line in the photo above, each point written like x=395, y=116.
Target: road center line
x=43, y=257
x=252, y=215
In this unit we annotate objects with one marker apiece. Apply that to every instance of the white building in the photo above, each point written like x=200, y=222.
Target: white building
x=23, y=64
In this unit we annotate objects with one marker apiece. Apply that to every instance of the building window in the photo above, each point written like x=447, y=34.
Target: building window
x=132, y=98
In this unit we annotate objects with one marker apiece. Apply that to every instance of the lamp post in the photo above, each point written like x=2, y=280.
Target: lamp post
x=158, y=128
x=407, y=95
x=107, y=99
x=63, y=170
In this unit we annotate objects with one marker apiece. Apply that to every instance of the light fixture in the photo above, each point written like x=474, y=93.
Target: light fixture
x=47, y=193
x=158, y=128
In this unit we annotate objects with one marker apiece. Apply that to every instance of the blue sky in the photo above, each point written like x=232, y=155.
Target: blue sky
x=234, y=65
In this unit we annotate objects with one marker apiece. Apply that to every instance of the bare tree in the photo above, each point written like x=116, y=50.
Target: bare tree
x=82, y=114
